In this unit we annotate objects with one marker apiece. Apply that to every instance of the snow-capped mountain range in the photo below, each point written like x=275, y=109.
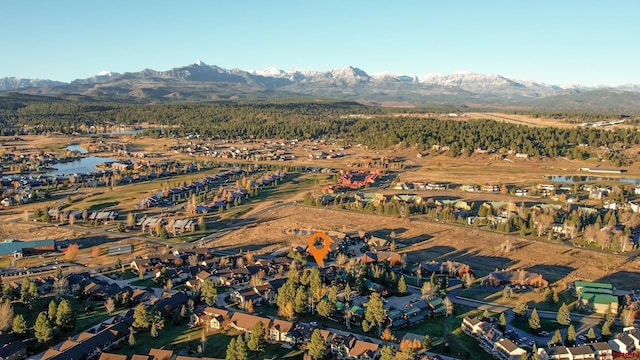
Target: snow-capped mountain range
x=199, y=81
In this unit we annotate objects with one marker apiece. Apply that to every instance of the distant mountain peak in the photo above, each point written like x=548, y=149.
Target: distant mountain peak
x=199, y=63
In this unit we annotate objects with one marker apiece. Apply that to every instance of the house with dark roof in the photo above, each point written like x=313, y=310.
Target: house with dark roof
x=556, y=353
x=622, y=344
x=11, y=349
x=514, y=277
x=602, y=350
x=581, y=352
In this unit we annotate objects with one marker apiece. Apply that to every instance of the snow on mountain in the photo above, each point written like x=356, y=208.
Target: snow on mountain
x=14, y=83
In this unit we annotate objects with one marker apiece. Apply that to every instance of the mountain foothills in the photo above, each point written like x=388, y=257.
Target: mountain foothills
x=202, y=82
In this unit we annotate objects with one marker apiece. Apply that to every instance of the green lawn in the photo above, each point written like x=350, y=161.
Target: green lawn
x=188, y=341
x=546, y=324
x=85, y=319
x=533, y=299
x=447, y=330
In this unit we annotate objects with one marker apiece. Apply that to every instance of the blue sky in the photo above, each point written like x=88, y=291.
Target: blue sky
x=558, y=42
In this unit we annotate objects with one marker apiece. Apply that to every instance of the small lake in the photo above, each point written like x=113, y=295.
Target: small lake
x=84, y=165
x=580, y=178
x=77, y=148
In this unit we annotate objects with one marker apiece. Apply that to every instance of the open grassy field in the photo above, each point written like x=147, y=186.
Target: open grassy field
x=437, y=241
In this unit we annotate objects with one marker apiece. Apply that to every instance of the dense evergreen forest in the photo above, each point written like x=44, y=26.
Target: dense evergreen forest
x=375, y=127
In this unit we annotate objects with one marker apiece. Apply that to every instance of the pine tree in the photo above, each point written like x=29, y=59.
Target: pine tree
x=375, y=314
x=605, y=331
x=591, y=335
x=19, y=325
x=502, y=322
x=208, y=293
x=317, y=348
x=65, y=317
x=241, y=352
x=563, y=316
x=53, y=310
x=231, y=350
x=534, y=320
x=571, y=335
x=141, y=317
x=402, y=286
x=324, y=308
x=387, y=353
x=300, y=301
x=256, y=338
x=520, y=309
x=42, y=328
x=556, y=339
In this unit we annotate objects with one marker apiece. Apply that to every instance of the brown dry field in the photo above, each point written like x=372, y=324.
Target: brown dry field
x=434, y=241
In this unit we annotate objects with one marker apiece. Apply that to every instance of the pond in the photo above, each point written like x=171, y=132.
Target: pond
x=582, y=178
x=80, y=166
x=77, y=148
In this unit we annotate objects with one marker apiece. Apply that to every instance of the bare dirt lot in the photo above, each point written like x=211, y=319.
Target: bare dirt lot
x=434, y=241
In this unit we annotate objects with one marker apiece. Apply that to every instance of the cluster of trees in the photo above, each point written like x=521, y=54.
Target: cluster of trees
x=239, y=347
x=525, y=220
x=58, y=319
x=304, y=291
x=310, y=120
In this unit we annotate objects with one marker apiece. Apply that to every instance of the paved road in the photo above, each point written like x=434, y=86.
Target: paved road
x=585, y=321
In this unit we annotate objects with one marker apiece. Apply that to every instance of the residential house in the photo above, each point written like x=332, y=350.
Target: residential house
x=470, y=188
x=363, y=350
x=447, y=268
x=281, y=331
x=391, y=257
x=339, y=345
x=160, y=354
x=602, y=350
x=213, y=318
x=622, y=344
x=180, y=226
x=244, y=322
x=555, y=353
x=505, y=349
x=582, y=352
x=490, y=188
x=514, y=277
x=471, y=326
x=110, y=356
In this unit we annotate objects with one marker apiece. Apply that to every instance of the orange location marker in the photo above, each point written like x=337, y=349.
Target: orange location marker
x=319, y=253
